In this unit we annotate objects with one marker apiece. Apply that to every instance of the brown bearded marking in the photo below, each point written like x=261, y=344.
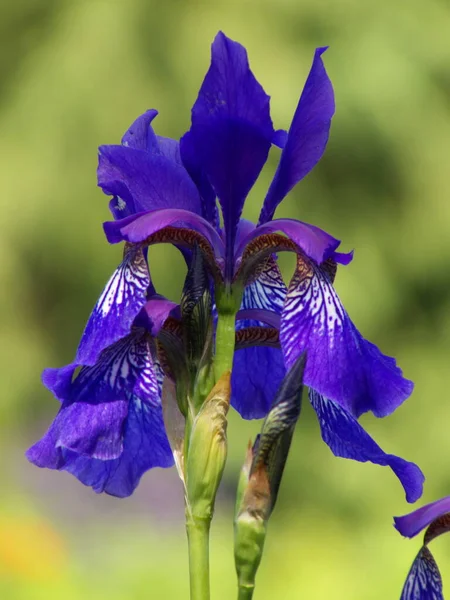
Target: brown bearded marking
x=163, y=361
x=257, y=336
x=272, y=242
x=258, y=252
x=173, y=326
x=128, y=247
x=437, y=527
x=186, y=238
x=137, y=256
x=330, y=268
x=266, y=245
x=303, y=270
x=259, y=270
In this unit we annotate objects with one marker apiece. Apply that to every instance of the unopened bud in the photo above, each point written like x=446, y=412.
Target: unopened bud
x=207, y=450
x=261, y=476
x=272, y=447
x=250, y=526
x=244, y=477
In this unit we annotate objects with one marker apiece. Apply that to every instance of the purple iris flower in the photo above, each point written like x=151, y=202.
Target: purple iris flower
x=110, y=429
x=166, y=192
x=424, y=579
x=173, y=199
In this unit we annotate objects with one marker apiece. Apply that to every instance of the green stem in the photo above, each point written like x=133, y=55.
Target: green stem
x=198, y=542
x=225, y=335
x=245, y=591
x=228, y=301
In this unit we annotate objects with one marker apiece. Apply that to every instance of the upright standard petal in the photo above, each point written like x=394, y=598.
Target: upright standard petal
x=140, y=134
x=110, y=428
x=347, y=439
x=307, y=137
x=341, y=365
x=193, y=165
x=151, y=180
x=231, y=129
x=122, y=299
x=258, y=371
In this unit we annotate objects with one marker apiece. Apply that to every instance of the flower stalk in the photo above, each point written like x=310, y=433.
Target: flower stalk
x=228, y=302
x=198, y=542
x=205, y=461
x=225, y=336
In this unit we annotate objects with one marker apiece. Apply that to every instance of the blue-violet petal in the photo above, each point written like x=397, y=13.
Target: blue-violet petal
x=307, y=137
x=258, y=371
x=341, y=364
x=121, y=300
x=347, y=439
x=231, y=131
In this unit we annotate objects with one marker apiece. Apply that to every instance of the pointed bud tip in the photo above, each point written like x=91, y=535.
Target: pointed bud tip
x=256, y=501
x=292, y=384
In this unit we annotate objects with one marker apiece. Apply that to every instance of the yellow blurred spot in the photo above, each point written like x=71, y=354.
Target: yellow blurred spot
x=31, y=549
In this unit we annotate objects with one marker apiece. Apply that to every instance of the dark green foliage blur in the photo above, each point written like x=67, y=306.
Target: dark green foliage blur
x=73, y=76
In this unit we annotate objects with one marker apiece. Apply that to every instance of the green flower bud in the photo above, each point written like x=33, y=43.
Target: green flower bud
x=261, y=476
x=244, y=477
x=250, y=525
x=207, y=450
x=272, y=446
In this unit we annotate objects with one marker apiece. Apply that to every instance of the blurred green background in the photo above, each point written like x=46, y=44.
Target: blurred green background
x=74, y=75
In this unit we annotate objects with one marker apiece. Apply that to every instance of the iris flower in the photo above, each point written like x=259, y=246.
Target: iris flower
x=165, y=191
x=424, y=579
